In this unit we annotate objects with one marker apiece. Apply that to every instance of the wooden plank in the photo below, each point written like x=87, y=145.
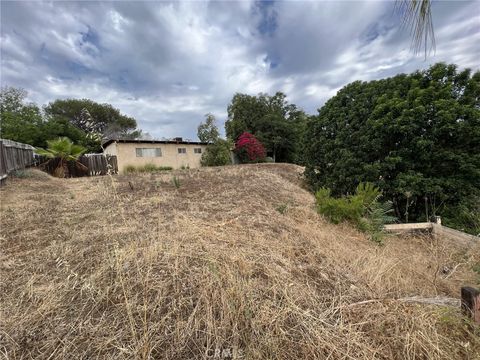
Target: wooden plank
x=113, y=164
x=408, y=227
x=3, y=161
x=458, y=237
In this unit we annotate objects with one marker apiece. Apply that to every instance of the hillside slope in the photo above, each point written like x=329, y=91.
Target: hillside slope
x=233, y=262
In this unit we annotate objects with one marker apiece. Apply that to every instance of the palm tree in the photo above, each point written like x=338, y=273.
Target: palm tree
x=64, y=151
x=417, y=15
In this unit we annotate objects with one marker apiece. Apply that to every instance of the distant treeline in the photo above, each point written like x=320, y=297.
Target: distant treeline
x=83, y=121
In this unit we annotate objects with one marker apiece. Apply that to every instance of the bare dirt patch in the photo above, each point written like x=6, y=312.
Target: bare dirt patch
x=234, y=260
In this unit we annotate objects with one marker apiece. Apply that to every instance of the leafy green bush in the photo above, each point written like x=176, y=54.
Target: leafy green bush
x=338, y=210
x=217, y=153
x=363, y=209
x=373, y=222
x=349, y=208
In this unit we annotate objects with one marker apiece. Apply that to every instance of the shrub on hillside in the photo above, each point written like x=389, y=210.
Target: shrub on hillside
x=217, y=153
x=249, y=149
x=363, y=209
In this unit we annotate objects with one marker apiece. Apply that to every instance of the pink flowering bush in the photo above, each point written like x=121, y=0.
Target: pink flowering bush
x=249, y=149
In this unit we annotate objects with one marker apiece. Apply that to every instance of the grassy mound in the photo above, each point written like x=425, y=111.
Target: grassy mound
x=232, y=262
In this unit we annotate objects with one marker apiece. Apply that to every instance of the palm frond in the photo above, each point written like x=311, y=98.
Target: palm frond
x=417, y=15
x=48, y=154
x=62, y=148
x=76, y=151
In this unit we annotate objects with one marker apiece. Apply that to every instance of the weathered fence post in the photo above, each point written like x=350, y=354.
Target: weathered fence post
x=471, y=303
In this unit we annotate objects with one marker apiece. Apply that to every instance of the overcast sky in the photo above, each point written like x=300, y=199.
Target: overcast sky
x=167, y=64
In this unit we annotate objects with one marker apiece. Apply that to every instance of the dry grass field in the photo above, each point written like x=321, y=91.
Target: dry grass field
x=233, y=263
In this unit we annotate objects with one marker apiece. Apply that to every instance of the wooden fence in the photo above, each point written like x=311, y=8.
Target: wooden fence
x=100, y=164
x=17, y=156
x=93, y=165
x=14, y=156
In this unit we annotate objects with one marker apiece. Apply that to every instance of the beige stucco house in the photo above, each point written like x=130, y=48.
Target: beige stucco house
x=175, y=153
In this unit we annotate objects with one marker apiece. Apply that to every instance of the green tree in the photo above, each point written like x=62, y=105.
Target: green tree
x=96, y=120
x=208, y=131
x=24, y=122
x=415, y=136
x=20, y=121
x=217, y=152
x=63, y=150
x=276, y=123
x=57, y=127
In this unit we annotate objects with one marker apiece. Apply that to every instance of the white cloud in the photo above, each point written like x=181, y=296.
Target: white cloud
x=167, y=64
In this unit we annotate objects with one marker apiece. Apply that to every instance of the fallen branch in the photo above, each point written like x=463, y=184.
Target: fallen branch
x=440, y=301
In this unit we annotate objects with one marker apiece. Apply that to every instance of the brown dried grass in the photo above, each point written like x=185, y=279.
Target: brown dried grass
x=132, y=267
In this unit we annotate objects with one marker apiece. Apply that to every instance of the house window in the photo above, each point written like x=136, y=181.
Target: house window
x=148, y=152
x=197, y=150
x=182, y=150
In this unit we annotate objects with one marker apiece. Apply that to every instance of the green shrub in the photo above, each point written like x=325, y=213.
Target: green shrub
x=363, y=209
x=373, y=222
x=217, y=153
x=338, y=210
x=367, y=193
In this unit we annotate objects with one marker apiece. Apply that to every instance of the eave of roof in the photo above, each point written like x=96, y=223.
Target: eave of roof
x=110, y=141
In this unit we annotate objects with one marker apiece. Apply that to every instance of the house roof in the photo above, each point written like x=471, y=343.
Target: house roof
x=109, y=141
